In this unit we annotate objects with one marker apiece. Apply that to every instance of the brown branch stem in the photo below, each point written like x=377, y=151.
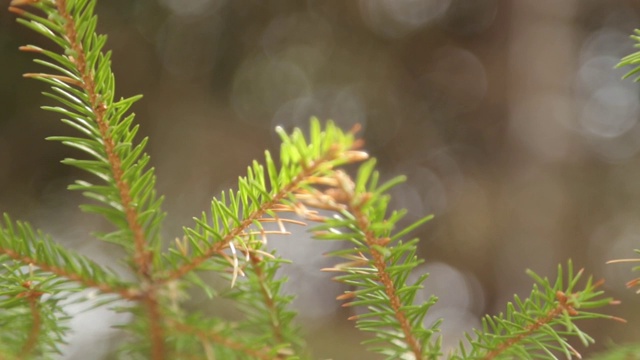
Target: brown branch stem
x=156, y=330
x=255, y=216
x=99, y=108
x=564, y=305
x=125, y=293
x=142, y=257
x=390, y=289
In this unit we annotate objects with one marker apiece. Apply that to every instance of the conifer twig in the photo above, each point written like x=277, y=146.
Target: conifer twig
x=142, y=258
x=563, y=306
x=272, y=204
x=343, y=198
x=33, y=296
x=124, y=292
x=84, y=78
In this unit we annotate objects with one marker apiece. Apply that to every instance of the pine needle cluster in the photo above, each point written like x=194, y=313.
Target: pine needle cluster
x=306, y=185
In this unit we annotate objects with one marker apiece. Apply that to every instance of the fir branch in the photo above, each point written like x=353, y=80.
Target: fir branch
x=31, y=319
x=379, y=262
x=86, y=89
x=231, y=237
x=529, y=328
x=234, y=226
x=230, y=218
x=24, y=245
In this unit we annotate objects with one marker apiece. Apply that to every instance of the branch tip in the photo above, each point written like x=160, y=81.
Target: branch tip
x=30, y=48
x=16, y=10
x=619, y=319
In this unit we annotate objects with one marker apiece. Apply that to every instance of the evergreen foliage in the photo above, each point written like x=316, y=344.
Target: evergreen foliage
x=632, y=59
x=306, y=184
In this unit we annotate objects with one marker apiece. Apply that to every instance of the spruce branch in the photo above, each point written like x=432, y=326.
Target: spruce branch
x=253, y=204
x=230, y=238
x=86, y=89
x=31, y=318
x=22, y=244
x=379, y=263
x=85, y=86
x=541, y=324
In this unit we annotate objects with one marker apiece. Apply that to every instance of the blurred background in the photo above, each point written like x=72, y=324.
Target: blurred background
x=507, y=116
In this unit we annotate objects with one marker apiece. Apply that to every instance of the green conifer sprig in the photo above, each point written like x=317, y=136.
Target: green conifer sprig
x=30, y=327
x=86, y=89
x=632, y=59
x=20, y=243
x=378, y=263
x=231, y=238
x=540, y=325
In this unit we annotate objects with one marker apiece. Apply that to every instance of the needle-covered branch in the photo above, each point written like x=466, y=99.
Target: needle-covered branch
x=231, y=238
x=542, y=324
x=32, y=320
x=379, y=263
x=84, y=86
x=26, y=247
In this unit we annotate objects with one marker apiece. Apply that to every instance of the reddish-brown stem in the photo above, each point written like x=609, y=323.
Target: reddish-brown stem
x=564, y=305
x=156, y=331
x=142, y=257
x=126, y=293
x=342, y=196
x=238, y=230
x=384, y=277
